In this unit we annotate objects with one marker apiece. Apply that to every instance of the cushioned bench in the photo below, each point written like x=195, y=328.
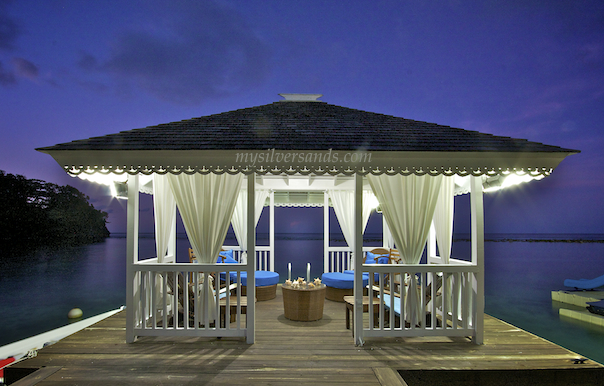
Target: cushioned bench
x=266, y=283
x=340, y=284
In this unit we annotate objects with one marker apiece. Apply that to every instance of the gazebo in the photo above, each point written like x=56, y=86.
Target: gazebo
x=221, y=169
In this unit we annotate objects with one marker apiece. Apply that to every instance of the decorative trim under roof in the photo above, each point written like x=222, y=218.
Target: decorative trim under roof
x=405, y=163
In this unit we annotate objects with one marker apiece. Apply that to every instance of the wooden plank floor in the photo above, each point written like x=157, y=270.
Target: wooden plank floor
x=286, y=352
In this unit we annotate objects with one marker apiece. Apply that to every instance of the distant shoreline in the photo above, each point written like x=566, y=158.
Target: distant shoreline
x=463, y=237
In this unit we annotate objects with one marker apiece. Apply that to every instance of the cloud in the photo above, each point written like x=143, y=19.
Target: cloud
x=25, y=68
x=9, y=29
x=7, y=78
x=201, y=51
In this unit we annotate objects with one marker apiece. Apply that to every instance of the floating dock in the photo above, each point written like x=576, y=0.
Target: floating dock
x=574, y=305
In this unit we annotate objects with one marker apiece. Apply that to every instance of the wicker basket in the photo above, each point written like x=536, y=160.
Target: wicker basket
x=304, y=305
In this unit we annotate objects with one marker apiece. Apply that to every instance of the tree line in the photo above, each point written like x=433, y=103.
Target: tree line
x=36, y=214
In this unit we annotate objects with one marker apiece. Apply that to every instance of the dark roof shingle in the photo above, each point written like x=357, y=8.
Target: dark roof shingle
x=289, y=125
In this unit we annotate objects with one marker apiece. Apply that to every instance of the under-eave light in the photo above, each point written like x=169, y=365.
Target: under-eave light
x=508, y=181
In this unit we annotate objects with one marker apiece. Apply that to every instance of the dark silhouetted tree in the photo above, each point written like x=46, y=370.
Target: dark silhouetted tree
x=35, y=214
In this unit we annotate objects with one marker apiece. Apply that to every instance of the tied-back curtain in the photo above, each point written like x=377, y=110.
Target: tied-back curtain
x=443, y=224
x=164, y=208
x=239, y=219
x=443, y=218
x=206, y=203
x=408, y=203
x=343, y=205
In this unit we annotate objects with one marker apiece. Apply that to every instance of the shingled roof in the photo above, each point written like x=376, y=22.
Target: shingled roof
x=296, y=126
x=288, y=125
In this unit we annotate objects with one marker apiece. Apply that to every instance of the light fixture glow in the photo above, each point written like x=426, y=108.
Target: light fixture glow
x=509, y=180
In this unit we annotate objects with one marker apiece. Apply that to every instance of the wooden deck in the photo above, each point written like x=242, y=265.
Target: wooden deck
x=300, y=353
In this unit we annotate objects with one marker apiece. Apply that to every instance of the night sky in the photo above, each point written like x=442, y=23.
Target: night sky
x=73, y=69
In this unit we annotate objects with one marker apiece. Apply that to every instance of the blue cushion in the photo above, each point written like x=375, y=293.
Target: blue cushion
x=342, y=280
x=263, y=278
x=381, y=259
x=228, y=260
x=227, y=255
x=396, y=303
x=376, y=276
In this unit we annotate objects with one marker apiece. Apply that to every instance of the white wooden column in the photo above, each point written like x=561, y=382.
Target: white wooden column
x=172, y=241
x=358, y=261
x=477, y=219
x=131, y=254
x=385, y=232
x=431, y=246
x=251, y=262
x=271, y=228
x=325, y=232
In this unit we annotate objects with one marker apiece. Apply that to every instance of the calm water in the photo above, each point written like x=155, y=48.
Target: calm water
x=37, y=292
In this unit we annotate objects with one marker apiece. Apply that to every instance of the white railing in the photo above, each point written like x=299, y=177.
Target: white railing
x=446, y=298
x=162, y=308
x=339, y=259
x=264, y=261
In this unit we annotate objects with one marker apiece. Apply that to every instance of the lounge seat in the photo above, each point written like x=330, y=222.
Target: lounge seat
x=585, y=284
x=340, y=284
x=266, y=283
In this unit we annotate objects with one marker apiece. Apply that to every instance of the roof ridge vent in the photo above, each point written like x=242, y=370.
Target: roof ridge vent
x=301, y=97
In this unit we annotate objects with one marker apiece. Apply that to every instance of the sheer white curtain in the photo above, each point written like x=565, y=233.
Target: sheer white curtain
x=343, y=205
x=206, y=203
x=239, y=219
x=443, y=224
x=443, y=218
x=164, y=207
x=408, y=203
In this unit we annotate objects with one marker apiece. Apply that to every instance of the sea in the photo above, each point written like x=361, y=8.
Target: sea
x=521, y=270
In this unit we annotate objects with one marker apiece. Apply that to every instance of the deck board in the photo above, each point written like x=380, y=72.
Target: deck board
x=321, y=352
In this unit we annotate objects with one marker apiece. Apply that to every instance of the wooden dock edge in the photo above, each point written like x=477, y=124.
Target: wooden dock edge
x=388, y=376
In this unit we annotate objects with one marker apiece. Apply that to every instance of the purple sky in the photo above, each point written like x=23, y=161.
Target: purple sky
x=74, y=69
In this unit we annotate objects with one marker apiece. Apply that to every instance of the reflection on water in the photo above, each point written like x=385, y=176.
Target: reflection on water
x=38, y=292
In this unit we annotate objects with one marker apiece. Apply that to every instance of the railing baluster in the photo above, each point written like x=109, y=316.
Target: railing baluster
x=143, y=294
x=457, y=298
x=239, y=300
x=153, y=300
x=164, y=286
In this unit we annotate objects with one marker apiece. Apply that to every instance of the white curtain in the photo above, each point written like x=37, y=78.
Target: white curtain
x=239, y=219
x=164, y=208
x=443, y=218
x=443, y=224
x=206, y=203
x=408, y=203
x=343, y=205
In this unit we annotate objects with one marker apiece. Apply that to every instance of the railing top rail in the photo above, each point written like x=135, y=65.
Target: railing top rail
x=238, y=248
x=348, y=249
x=388, y=268
x=190, y=267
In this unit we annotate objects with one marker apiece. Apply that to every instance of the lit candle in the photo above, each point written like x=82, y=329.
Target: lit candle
x=289, y=271
x=308, y=273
